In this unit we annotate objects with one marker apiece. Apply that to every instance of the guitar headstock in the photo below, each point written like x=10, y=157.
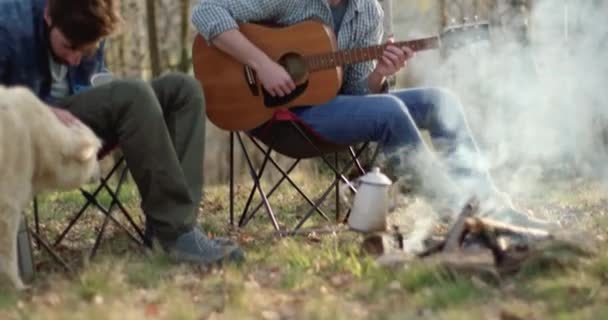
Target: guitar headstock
x=456, y=36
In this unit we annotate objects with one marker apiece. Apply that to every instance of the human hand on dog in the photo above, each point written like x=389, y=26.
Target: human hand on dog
x=65, y=116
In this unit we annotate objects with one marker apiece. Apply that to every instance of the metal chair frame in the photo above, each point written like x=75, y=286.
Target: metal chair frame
x=91, y=202
x=257, y=174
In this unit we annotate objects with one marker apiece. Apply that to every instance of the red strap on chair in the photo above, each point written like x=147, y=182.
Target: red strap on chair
x=286, y=115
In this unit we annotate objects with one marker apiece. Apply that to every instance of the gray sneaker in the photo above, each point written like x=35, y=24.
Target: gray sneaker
x=195, y=247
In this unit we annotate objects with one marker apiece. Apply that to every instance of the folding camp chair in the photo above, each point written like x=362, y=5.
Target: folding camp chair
x=287, y=135
x=92, y=202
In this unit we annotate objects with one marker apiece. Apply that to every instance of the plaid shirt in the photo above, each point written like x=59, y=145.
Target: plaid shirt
x=361, y=25
x=24, y=52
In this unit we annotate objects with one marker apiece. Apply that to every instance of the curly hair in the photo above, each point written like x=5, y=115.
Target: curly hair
x=85, y=21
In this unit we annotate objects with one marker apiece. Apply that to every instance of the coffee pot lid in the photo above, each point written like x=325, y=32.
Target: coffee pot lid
x=374, y=176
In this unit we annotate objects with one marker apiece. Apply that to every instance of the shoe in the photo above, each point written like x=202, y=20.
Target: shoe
x=195, y=247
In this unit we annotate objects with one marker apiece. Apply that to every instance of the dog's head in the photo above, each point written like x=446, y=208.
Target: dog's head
x=68, y=159
x=79, y=163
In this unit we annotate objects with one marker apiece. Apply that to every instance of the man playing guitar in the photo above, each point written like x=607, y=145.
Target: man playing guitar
x=364, y=109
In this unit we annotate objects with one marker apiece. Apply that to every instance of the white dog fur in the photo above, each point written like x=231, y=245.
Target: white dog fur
x=37, y=153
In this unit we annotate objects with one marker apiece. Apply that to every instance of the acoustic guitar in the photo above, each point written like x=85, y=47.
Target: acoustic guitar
x=235, y=98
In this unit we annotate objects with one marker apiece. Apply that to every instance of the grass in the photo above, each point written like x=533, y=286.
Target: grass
x=320, y=277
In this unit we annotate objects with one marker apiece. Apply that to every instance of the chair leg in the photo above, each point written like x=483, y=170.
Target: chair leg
x=334, y=169
x=123, y=210
x=273, y=189
x=285, y=176
x=247, y=215
x=108, y=215
x=49, y=249
x=258, y=185
x=355, y=159
x=318, y=203
x=36, y=220
x=337, y=188
x=339, y=176
x=255, y=176
x=41, y=244
x=78, y=214
x=231, y=178
x=99, y=237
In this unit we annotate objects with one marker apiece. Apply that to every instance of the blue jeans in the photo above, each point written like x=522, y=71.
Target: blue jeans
x=394, y=120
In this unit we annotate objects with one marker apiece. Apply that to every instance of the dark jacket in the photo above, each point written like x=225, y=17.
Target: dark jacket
x=24, y=50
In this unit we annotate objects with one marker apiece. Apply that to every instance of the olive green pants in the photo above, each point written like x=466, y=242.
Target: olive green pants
x=160, y=129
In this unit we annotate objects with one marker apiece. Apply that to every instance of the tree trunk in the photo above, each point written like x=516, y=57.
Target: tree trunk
x=184, y=60
x=153, y=38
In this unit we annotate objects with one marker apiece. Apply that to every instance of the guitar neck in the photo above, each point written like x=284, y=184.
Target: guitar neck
x=350, y=56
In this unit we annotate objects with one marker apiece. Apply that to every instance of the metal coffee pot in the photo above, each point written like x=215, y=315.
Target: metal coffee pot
x=370, y=206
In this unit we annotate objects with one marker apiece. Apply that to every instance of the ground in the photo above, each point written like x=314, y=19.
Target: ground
x=318, y=277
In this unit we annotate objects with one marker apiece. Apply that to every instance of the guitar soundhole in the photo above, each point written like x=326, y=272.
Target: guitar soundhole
x=295, y=66
x=276, y=102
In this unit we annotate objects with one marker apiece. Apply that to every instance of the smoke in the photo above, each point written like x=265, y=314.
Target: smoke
x=542, y=96
x=534, y=95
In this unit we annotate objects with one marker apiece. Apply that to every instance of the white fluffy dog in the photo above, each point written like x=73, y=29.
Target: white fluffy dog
x=37, y=153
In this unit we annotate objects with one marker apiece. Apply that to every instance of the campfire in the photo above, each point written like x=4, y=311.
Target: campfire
x=472, y=244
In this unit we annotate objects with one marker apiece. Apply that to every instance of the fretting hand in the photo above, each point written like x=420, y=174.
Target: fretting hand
x=393, y=59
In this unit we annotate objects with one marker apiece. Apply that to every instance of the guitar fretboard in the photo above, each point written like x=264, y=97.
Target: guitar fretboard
x=349, y=56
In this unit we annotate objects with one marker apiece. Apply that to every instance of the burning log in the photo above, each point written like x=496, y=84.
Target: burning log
x=482, y=246
x=476, y=225
x=456, y=235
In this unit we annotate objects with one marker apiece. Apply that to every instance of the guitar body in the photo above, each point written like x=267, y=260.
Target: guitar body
x=234, y=97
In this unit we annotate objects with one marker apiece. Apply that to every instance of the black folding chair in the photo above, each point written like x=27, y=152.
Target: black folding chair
x=285, y=134
x=92, y=202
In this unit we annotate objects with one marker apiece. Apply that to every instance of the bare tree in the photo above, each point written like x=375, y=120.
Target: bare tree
x=184, y=60
x=153, y=38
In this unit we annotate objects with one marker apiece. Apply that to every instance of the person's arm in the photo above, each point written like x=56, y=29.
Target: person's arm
x=393, y=59
x=216, y=21
x=213, y=17
x=358, y=78
x=371, y=77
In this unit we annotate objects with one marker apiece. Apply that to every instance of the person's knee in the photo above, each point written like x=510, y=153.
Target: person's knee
x=133, y=96
x=393, y=113
x=447, y=97
x=444, y=108
x=442, y=99
x=184, y=86
x=180, y=81
x=391, y=109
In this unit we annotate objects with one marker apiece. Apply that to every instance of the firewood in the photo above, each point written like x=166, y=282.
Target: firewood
x=374, y=244
x=468, y=262
x=383, y=242
x=477, y=225
x=459, y=229
x=433, y=245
